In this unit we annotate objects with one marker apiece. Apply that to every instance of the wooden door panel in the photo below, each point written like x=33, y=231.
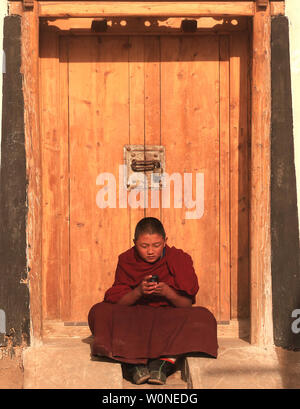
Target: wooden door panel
x=136, y=118
x=55, y=176
x=190, y=130
x=99, y=127
x=224, y=194
x=239, y=171
x=186, y=93
x=152, y=111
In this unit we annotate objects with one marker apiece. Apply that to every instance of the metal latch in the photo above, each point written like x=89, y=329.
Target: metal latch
x=145, y=165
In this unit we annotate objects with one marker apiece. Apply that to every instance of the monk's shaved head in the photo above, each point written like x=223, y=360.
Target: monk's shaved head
x=149, y=225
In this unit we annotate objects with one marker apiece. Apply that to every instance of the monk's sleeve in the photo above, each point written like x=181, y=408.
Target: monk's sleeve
x=185, y=278
x=120, y=286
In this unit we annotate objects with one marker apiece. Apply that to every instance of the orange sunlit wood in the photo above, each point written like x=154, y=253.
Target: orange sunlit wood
x=187, y=93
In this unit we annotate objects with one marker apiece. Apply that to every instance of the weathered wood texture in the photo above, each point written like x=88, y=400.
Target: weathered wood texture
x=150, y=26
x=143, y=79
x=14, y=293
x=224, y=164
x=262, y=3
x=260, y=245
x=152, y=96
x=239, y=174
x=97, y=99
x=30, y=71
x=54, y=141
x=277, y=8
x=136, y=8
x=190, y=132
x=284, y=215
x=259, y=259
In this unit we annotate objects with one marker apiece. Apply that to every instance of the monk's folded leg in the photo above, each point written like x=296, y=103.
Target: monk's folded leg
x=100, y=320
x=182, y=330
x=134, y=334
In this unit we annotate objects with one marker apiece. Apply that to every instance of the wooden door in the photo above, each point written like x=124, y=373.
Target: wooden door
x=187, y=93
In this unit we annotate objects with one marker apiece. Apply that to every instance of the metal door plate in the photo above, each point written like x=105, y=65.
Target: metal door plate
x=142, y=157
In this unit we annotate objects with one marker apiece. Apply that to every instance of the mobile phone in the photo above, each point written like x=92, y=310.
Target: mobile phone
x=154, y=279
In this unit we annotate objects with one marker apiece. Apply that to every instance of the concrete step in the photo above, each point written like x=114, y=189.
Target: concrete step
x=241, y=365
x=67, y=364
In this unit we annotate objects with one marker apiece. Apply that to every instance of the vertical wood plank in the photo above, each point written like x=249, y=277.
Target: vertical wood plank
x=14, y=288
x=111, y=122
x=190, y=131
x=152, y=111
x=63, y=229
x=152, y=90
x=55, y=176
x=239, y=197
x=98, y=92
x=50, y=140
x=84, y=257
x=260, y=249
x=137, y=116
x=30, y=70
x=224, y=182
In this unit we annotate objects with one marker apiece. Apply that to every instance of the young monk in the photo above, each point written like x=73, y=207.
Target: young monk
x=148, y=324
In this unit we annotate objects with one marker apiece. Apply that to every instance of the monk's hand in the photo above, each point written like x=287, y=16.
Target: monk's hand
x=163, y=290
x=147, y=287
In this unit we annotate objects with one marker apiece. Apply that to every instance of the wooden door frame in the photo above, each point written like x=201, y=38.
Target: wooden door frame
x=260, y=240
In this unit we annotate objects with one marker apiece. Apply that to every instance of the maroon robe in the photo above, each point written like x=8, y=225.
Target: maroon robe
x=152, y=327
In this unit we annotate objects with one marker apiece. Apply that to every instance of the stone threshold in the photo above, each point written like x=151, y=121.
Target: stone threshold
x=66, y=363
